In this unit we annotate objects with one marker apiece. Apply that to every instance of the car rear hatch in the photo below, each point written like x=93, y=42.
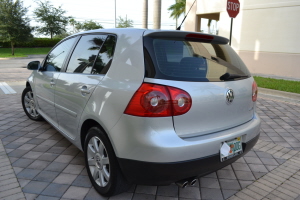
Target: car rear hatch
x=217, y=80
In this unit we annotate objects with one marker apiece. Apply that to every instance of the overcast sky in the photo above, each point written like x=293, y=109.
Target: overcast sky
x=103, y=11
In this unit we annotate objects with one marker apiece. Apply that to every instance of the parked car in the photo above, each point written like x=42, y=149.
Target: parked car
x=149, y=107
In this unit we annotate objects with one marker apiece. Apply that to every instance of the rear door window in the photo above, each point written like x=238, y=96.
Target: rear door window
x=105, y=56
x=85, y=54
x=175, y=59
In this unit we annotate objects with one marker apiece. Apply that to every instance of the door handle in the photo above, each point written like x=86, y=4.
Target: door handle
x=84, y=90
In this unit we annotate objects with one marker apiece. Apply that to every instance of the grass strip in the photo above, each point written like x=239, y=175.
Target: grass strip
x=278, y=84
x=23, y=52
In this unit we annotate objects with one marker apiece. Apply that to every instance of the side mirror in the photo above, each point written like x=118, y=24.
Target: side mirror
x=33, y=65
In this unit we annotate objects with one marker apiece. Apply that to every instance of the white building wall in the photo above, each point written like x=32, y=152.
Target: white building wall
x=265, y=33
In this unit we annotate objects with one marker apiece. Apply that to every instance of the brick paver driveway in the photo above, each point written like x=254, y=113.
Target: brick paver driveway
x=48, y=166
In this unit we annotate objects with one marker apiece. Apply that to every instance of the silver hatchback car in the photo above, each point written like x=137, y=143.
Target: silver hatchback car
x=148, y=107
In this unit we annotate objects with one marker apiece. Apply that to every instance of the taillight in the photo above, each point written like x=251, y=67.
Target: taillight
x=181, y=101
x=254, y=91
x=152, y=100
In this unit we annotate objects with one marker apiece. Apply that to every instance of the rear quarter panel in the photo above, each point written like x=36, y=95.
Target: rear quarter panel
x=126, y=74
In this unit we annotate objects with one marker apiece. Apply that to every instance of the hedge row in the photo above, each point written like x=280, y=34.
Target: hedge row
x=35, y=42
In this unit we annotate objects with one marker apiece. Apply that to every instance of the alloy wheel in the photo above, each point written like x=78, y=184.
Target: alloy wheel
x=30, y=104
x=98, y=161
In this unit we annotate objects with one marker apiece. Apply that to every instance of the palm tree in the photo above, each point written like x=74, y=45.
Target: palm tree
x=73, y=23
x=177, y=9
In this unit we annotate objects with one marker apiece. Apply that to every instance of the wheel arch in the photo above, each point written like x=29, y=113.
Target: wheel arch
x=28, y=84
x=29, y=81
x=120, y=184
x=87, y=124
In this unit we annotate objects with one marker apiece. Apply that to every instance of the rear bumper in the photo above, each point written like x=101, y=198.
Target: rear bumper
x=150, y=173
x=154, y=140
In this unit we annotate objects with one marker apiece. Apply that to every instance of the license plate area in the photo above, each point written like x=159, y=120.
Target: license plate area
x=235, y=149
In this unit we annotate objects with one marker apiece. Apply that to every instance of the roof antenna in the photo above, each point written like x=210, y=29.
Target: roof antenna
x=179, y=27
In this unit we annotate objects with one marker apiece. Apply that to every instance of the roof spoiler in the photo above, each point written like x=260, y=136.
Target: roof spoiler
x=193, y=36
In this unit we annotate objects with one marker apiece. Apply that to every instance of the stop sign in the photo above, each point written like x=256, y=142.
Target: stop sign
x=233, y=8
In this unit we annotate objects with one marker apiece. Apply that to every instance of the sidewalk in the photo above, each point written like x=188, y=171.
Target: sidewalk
x=9, y=185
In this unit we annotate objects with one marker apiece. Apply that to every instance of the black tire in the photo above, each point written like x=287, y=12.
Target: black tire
x=116, y=183
x=29, y=105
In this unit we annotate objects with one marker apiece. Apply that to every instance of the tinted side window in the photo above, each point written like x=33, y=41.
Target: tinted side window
x=105, y=56
x=56, y=57
x=85, y=53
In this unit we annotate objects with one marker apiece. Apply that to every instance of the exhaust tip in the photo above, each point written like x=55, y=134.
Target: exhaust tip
x=184, y=184
x=193, y=182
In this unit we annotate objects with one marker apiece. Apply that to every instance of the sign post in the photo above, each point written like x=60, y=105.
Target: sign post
x=233, y=9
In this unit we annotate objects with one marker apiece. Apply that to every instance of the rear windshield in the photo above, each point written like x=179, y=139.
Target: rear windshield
x=183, y=60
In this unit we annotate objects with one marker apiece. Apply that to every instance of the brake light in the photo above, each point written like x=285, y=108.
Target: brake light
x=254, y=91
x=199, y=36
x=152, y=100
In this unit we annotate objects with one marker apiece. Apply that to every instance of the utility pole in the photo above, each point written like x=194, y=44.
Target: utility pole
x=115, y=13
x=157, y=14
x=145, y=14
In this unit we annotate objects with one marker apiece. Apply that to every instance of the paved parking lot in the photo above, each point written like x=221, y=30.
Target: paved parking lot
x=47, y=166
x=36, y=162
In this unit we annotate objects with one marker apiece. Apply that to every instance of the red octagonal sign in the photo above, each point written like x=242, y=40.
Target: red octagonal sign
x=233, y=8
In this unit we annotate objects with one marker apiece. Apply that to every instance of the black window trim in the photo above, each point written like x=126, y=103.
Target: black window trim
x=66, y=62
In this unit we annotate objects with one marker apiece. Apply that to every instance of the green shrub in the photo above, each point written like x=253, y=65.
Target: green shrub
x=36, y=42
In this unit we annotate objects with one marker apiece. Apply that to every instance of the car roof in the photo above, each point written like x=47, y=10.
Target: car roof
x=158, y=33
x=117, y=31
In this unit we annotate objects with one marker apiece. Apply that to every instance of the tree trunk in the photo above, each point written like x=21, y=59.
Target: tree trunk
x=176, y=23
x=12, y=48
x=157, y=14
x=145, y=14
x=51, y=35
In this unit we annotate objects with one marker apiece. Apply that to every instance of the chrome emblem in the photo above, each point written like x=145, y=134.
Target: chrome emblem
x=229, y=96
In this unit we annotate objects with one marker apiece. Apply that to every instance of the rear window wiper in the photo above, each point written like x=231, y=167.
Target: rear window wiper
x=227, y=76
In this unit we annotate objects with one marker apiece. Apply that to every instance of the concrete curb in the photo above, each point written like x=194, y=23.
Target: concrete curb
x=279, y=93
x=277, y=77
x=28, y=56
